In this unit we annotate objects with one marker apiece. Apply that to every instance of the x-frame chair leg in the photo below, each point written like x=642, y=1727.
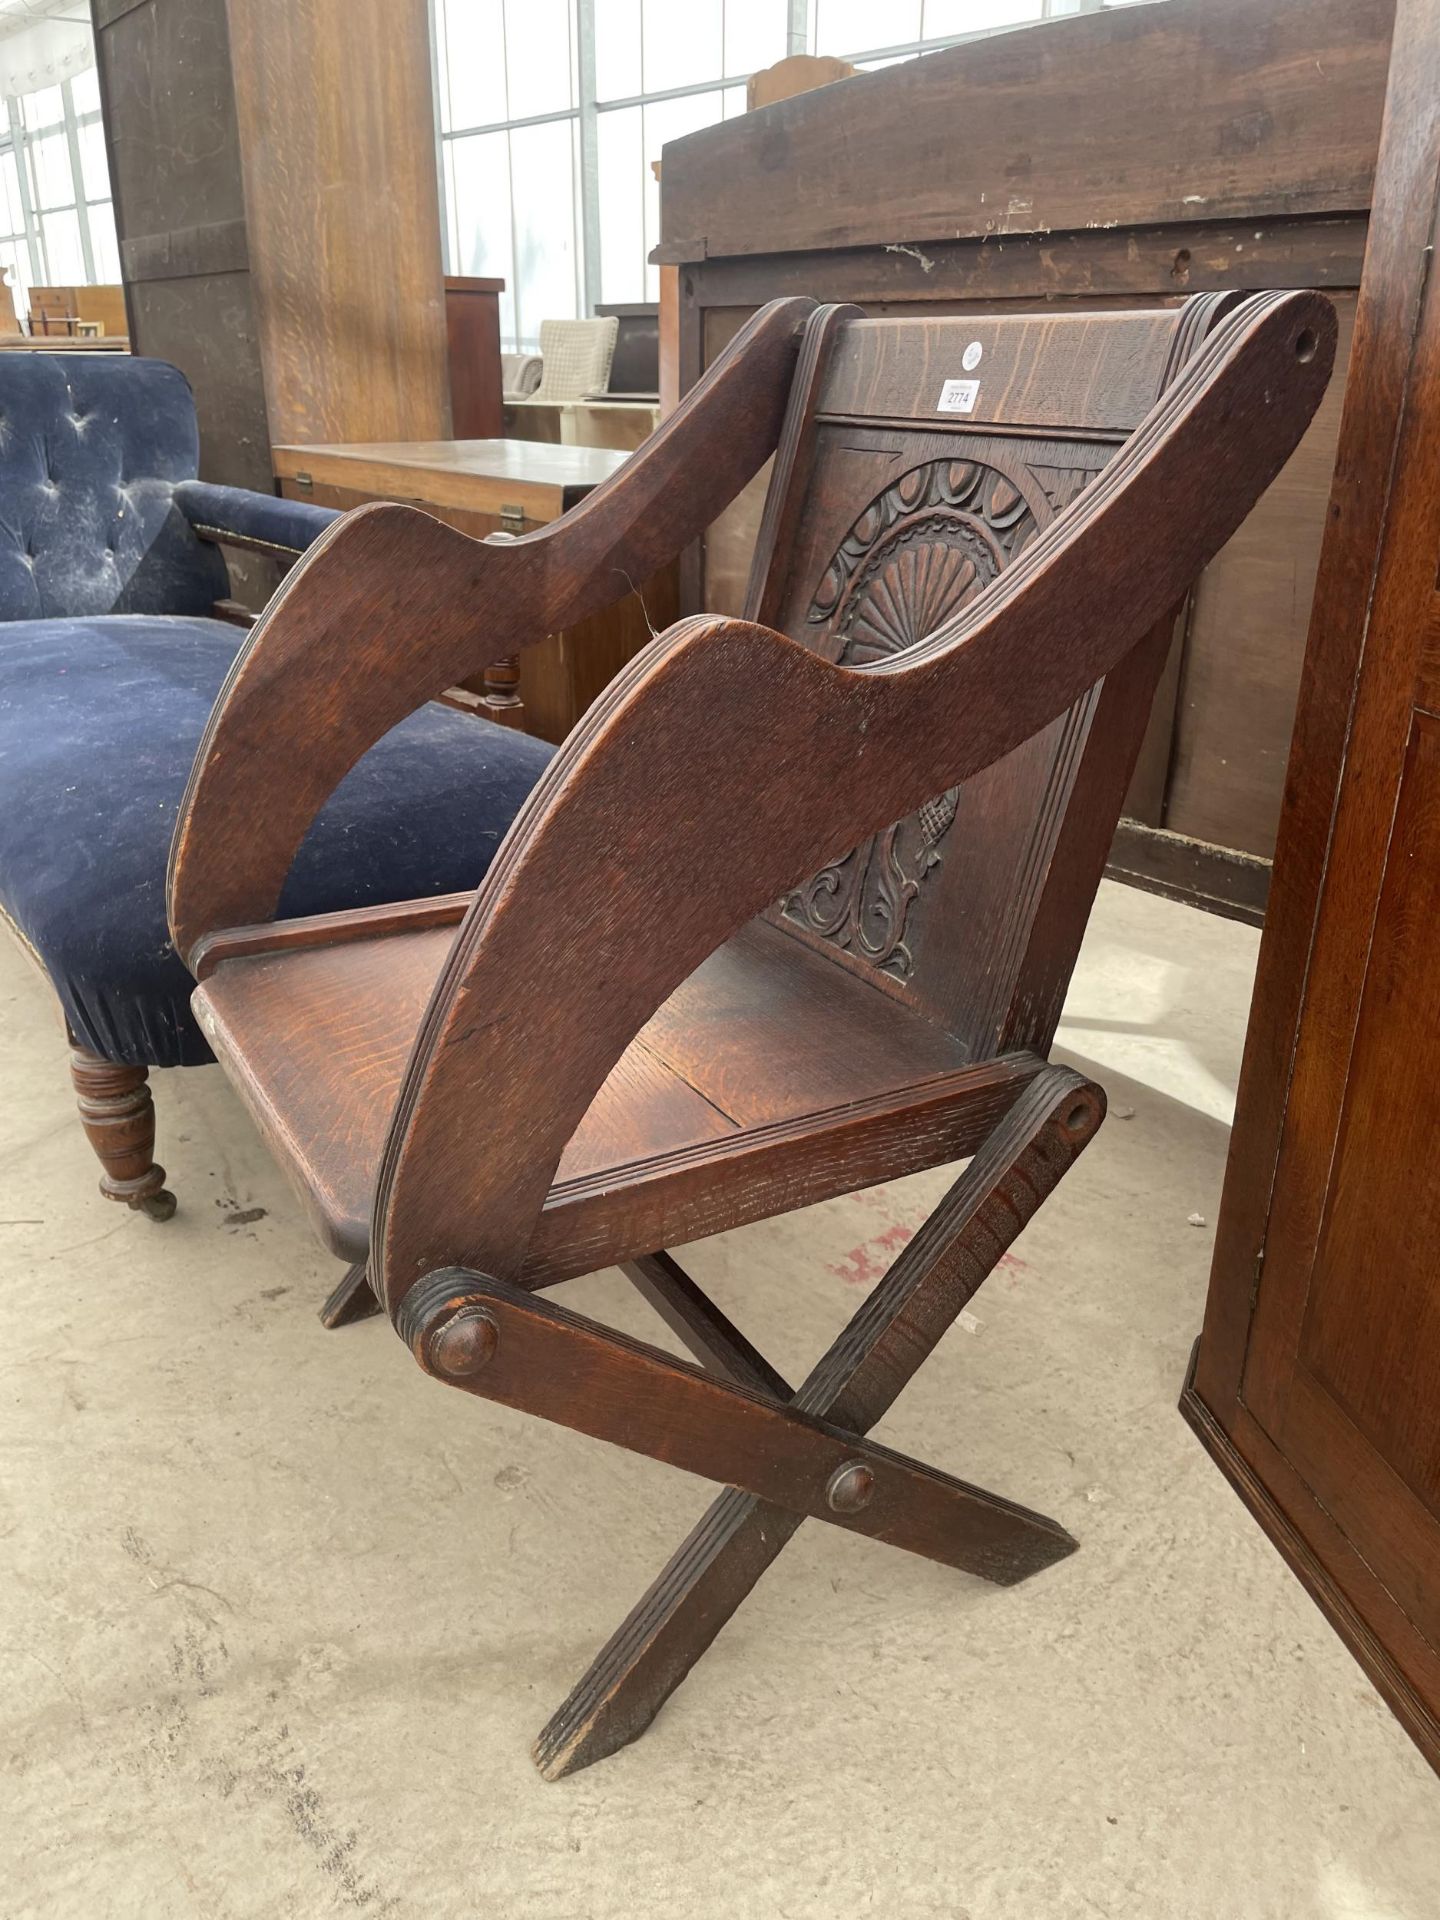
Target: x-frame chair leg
x=351, y=1298
x=854, y=1384
x=713, y=1340
x=492, y=1338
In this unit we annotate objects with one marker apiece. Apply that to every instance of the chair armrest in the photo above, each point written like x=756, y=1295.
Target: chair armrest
x=727, y=762
x=390, y=607
x=241, y=518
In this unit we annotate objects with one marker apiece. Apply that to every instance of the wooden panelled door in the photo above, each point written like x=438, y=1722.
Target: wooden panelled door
x=1317, y=1381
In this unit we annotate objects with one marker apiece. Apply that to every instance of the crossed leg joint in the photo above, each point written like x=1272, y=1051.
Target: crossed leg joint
x=784, y=1457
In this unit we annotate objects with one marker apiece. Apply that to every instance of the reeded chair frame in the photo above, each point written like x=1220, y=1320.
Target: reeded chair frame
x=793, y=911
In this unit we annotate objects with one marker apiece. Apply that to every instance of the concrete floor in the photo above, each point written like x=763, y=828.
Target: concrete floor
x=279, y=1616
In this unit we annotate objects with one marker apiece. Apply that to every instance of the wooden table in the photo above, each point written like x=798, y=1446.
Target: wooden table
x=497, y=486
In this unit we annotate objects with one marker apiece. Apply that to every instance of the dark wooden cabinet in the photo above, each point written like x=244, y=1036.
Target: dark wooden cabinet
x=472, y=331
x=1124, y=158
x=1317, y=1379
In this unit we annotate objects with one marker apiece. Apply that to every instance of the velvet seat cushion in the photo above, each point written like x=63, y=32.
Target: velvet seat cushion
x=100, y=719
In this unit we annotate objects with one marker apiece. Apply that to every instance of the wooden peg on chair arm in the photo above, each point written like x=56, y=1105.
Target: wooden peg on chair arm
x=390, y=607
x=761, y=761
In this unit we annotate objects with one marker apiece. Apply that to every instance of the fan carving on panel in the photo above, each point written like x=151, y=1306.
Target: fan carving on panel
x=918, y=554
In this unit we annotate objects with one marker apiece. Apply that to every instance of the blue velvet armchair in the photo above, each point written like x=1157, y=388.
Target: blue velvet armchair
x=110, y=661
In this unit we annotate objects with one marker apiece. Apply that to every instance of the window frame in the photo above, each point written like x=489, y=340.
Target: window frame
x=21, y=140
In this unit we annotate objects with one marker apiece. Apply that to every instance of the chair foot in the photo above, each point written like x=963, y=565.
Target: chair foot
x=118, y=1115
x=352, y=1299
x=658, y=1643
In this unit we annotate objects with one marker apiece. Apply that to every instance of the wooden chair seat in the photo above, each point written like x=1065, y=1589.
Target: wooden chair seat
x=765, y=1043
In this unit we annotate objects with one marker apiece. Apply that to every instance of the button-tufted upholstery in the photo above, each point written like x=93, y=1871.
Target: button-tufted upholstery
x=108, y=672
x=92, y=447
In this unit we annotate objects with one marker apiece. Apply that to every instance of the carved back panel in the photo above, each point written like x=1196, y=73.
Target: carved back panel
x=919, y=459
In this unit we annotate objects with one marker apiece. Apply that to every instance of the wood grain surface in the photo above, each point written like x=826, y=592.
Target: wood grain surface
x=411, y=607
x=696, y=986
x=1202, y=108
x=871, y=744
x=335, y=113
x=1313, y=1381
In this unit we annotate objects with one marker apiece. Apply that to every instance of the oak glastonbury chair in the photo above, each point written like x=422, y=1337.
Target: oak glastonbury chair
x=707, y=978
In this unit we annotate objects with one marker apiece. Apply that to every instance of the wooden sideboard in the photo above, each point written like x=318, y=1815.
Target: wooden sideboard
x=1119, y=159
x=1315, y=1380
x=498, y=486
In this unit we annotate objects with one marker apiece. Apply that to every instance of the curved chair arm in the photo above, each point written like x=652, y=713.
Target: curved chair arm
x=727, y=762
x=390, y=607
x=243, y=518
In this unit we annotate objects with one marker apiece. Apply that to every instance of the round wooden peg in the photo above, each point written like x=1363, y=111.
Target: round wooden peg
x=464, y=1344
x=850, y=1488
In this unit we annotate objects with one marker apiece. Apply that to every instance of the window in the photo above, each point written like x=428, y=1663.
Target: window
x=551, y=113
x=57, y=224
x=507, y=91
x=14, y=244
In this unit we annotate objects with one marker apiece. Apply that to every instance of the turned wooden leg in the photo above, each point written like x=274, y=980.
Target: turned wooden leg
x=118, y=1116
x=493, y=695
x=501, y=701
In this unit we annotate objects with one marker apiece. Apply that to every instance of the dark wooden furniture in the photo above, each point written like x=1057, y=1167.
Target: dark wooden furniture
x=250, y=147
x=472, y=331
x=1315, y=1381
x=511, y=487
x=635, y=367
x=1126, y=158
x=792, y=911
